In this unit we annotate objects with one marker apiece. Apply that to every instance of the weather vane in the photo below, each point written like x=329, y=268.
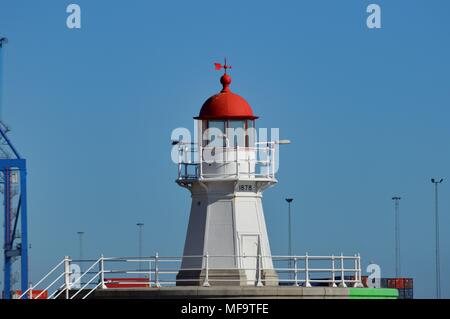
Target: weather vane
x=219, y=66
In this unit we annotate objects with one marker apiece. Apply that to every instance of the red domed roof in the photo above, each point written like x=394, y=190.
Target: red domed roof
x=226, y=105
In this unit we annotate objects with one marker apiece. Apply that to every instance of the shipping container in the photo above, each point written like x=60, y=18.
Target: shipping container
x=405, y=293
x=409, y=294
x=400, y=283
x=43, y=294
x=391, y=283
x=127, y=283
x=409, y=283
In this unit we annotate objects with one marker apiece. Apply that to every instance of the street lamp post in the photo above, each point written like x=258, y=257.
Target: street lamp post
x=396, y=200
x=436, y=183
x=289, y=201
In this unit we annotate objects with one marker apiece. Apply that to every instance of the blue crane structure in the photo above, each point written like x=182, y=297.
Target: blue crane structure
x=13, y=174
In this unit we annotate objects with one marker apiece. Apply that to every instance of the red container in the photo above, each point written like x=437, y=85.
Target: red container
x=127, y=283
x=35, y=293
x=400, y=283
x=364, y=280
x=391, y=283
x=409, y=283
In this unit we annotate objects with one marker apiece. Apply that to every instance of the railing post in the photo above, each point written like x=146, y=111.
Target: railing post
x=295, y=271
x=358, y=282
x=259, y=263
x=249, y=159
x=31, y=292
x=179, y=162
x=359, y=267
x=150, y=272
x=67, y=275
x=342, y=284
x=237, y=161
x=157, y=284
x=200, y=163
x=333, y=267
x=307, y=283
x=206, y=281
x=102, y=272
x=273, y=163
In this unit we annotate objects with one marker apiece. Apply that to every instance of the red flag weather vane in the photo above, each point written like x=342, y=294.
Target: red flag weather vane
x=219, y=66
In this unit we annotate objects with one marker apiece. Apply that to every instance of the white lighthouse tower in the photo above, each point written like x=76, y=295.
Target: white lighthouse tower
x=226, y=172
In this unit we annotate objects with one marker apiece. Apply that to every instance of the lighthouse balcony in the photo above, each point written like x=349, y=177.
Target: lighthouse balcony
x=222, y=163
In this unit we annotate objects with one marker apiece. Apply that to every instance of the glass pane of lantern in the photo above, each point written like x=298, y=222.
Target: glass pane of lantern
x=216, y=131
x=236, y=133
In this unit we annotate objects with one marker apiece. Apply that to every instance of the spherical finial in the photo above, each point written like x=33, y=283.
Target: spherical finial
x=226, y=81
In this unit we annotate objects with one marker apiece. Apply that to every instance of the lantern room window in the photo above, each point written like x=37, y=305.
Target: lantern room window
x=229, y=133
x=236, y=133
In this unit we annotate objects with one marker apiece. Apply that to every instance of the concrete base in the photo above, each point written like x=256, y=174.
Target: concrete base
x=216, y=277
x=223, y=292
x=229, y=292
x=223, y=277
x=269, y=277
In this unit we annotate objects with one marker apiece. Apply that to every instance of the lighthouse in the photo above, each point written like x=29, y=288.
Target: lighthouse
x=226, y=171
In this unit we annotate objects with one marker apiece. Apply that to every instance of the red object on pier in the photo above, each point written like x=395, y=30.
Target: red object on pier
x=34, y=294
x=127, y=283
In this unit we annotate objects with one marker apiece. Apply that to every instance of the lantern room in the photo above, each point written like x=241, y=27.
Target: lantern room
x=228, y=117
x=226, y=145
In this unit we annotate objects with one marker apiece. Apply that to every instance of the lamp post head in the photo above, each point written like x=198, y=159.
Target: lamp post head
x=289, y=200
x=433, y=180
x=139, y=224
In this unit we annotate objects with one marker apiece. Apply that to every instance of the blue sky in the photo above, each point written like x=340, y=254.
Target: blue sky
x=367, y=111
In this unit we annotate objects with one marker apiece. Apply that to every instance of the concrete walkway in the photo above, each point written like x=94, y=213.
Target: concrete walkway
x=224, y=292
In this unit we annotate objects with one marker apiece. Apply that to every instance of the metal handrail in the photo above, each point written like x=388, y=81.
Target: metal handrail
x=194, y=157
x=48, y=287
x=63, y=288
x=82, y=288
x=43, y=278
x=92, y=290
x=159, y=269
x=87, y=271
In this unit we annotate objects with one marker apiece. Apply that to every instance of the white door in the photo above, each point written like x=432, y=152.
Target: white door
x=249, y=256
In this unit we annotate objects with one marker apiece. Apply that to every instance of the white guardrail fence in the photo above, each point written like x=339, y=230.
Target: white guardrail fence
x=233, y=162
x=71, y=279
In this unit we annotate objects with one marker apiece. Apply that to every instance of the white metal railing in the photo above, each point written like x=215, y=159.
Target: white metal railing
x=157, y=271
x=227, y=162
